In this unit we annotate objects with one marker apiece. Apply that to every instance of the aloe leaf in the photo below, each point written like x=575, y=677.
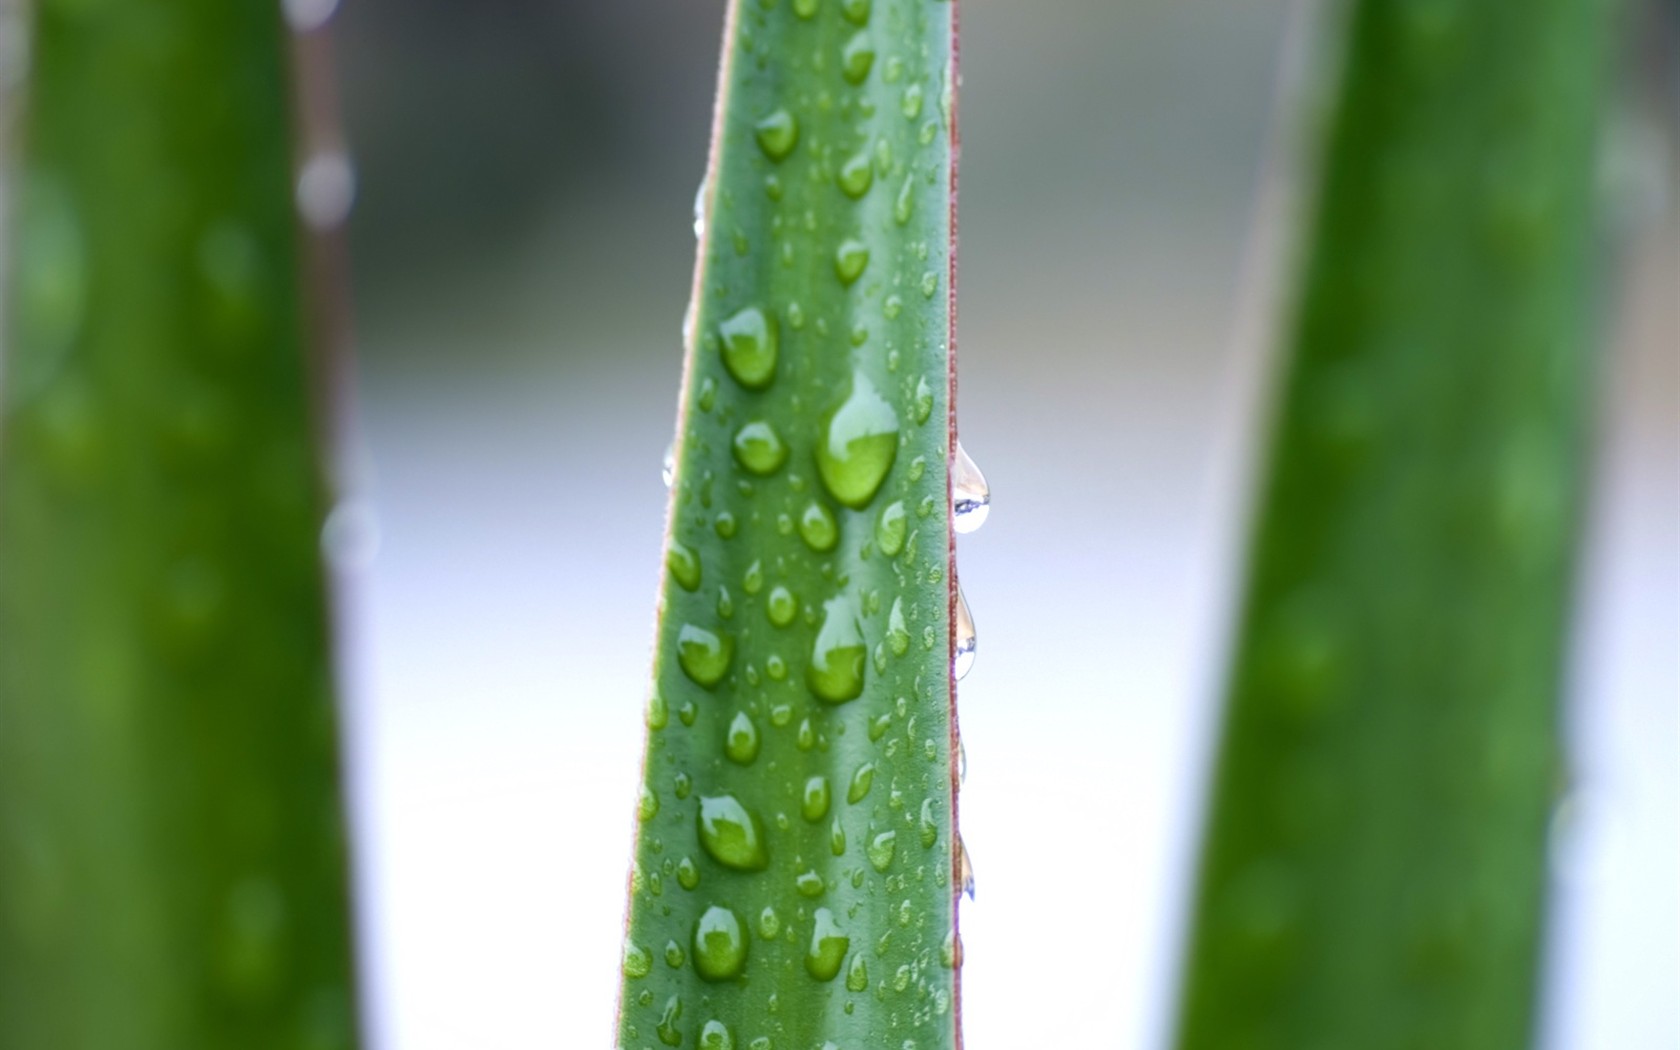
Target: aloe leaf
x=794, y=882
x=1375, y=859
x=172, y=869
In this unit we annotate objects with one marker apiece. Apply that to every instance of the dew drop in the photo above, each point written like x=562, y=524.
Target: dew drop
x=647, y=807
x=715, y=1035
x=857, y=974
x=814, y=805
x=971, y=500
x=891, y=528
x=838, y=655
x=850, y=259
x=777, y=133
x=668, y=467
x=805, y=8
x=658, y=714
x=881, y=849
x=704, y=655
x=930, y=284
x=858, y=445
x=700, y=210
x=724, y=525
x=924, y=400
x=856, y=175
x=732, y=833
x=855, y=11
x=965, y=868
x=720, y=948
x=688, y=873
x=857, y=58
x=862, y=780
x=780, y=606
x=828, y=946
x=837, y=838
x=741, y=744
x=962, y=659
x=753, y=580
x=684, y=564
x=929, y=824
x=818, y=528
x=674, y=956
x=750, y=347
x=667, y=1029
x=637, y=961
x=809, y=884
x=898, y=635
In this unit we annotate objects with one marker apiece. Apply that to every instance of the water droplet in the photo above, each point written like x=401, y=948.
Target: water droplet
x=862, y=780
x=962, y=659
x=686, y=712
x=769, y=923
x=881, y=849
x=637, y=961
x=669, y=1033
x=777, y=133
x=898, y=635
x=810, y=884
x=657, y=713
x=753, y=581
x=891, y=528
x=856, y=176
x=682, y=784
x=700, y=209
x=950, y=951
x=741, y=744
x=814, y=806
x=724, y=525
x=924, y=400
x=647, y=807
x=674, y=956
x=326, y=189
x=688, y=873
x=750, y=347
x=805, y=738
x=781, y=606
x=828, y=946
x=716, y=1036
x=855, y=11
x=858, y=445
x=732, y=833
x=704, y=655
x=720, y=948
x=818, y=528
x=971, y=500
x=805, y=8
x=857, y=974
x=684, y=564
x=857, y=58
x=929, y=824
x=930, y=284
x=850, y=259
x=708, y=394
x=965, y=868
x=837, y=838
x=775, y=667
x=835, y=673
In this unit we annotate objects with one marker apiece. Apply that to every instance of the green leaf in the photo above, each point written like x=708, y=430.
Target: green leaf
x=172, y=871
x=1375, y=861
x=796, y=863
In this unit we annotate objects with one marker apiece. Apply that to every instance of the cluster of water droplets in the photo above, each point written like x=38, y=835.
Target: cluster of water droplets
x=971, y=502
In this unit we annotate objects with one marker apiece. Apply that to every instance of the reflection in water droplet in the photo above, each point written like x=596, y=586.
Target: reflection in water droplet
x=838, y=655
x=732, y=833
x=720, y=948
x=971, y=500
x=858, y=444
x=962, y=660
x=828, y=946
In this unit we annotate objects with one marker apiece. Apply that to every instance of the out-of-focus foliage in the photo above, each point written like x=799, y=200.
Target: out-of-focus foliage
x=1376, y=855
x=172, y=871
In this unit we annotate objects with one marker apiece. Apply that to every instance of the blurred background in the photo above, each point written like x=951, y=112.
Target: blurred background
x=522, y=250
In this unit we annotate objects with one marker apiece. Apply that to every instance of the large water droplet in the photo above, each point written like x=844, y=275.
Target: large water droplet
x=777, y=133
x=741, y=743
x=732, y=833
x=856, y=175
x=962, y=659
x=667, y=1029
x=814, y=806
x=818, y=528
x=684, y=564
x=971, y=499
x=838, y=656
x=828, y=946
x=858, y=444
x=881, y=849
x=857, y=58
x=759, y=448
x=850, y=260
x=637, y=961
x=704, y=655
x=720, y=948
x=716, y=1036
x=750, y=347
